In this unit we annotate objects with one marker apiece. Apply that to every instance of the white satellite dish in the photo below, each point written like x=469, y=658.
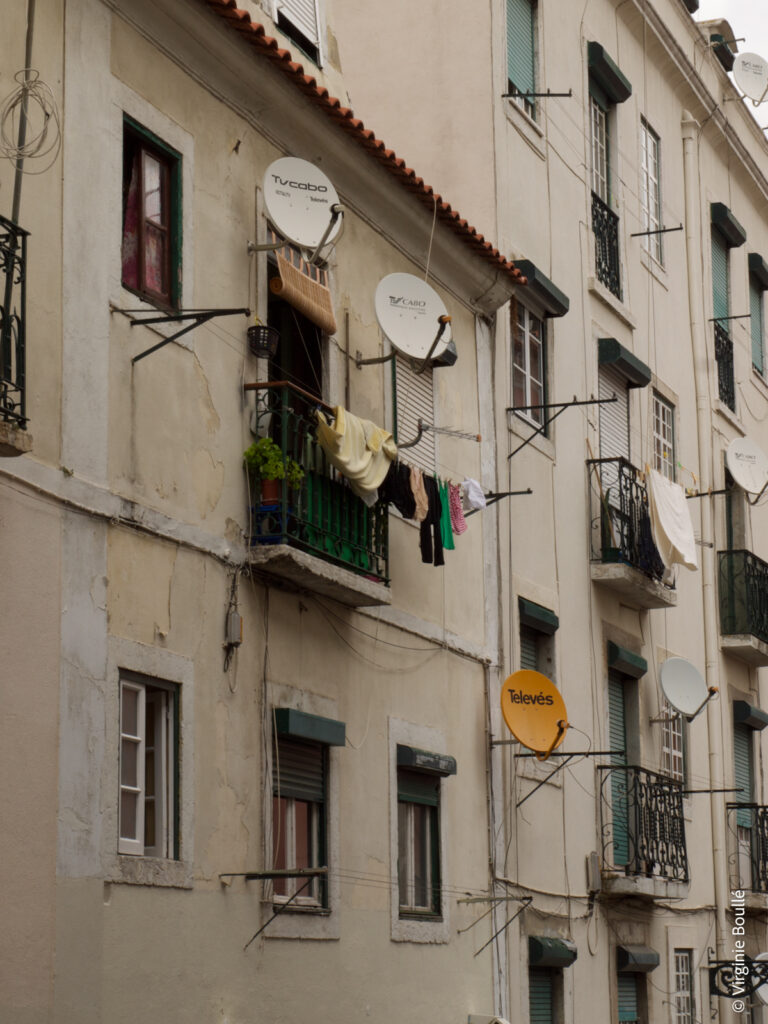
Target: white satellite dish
x=750, y=72
x=747, y=464
x=300, y=200
x=409, y=311
x=683, y=686
x=762, y=990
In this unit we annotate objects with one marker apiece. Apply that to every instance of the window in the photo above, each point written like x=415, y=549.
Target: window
x=299, y=20
x=298, y=818
x=617, y=739
x=300, y=793
x=419, y=776
x=663, y=436
x=537, y=628
x=684, y=1004
x=541, y=995
x=743, y=779
x=151, y=246
x=149, y=716
x=650, y=189
x=599, y=139
x=727, y=234
x=672, y=743
x=628, y=998
x=528, y=363
x=414, y=401
x=521, y=52
x=756, y=321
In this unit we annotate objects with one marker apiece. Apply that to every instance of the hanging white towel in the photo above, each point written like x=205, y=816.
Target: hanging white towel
x=671, y=524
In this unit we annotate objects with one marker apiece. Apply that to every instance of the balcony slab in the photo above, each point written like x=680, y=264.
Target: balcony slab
x=643, y=888
x=307, y=572
x=746, y=647
x=634, y=588
x=13, y=441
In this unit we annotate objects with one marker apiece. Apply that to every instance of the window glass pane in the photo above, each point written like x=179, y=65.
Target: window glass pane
x=128, y=805
x=130, y=721
x=131, y=223
x=536, y=368
x=402, y=852
x=129, y=767
x=421, y=855
x=153, y=194
x=150, y=814
x=303, y=834
x=279, y=827
x=154, y=259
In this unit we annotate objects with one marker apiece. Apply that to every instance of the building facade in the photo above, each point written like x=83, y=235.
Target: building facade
x=255, y=761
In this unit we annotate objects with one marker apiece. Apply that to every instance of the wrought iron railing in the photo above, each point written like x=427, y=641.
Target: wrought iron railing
x=726, y=385
x=13, y=299
x=621, y=521
x=743, y=592
x=322, y=516
x=605, y=224
x=749, y=858
x=642, y=821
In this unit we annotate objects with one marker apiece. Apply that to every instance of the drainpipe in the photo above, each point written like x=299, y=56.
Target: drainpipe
x=699, y=343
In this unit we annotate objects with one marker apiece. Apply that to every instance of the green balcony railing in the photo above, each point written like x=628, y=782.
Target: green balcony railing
x=743, y=592
x=322, y=516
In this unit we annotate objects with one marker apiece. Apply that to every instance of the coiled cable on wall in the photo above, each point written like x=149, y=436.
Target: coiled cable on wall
x=34, y=101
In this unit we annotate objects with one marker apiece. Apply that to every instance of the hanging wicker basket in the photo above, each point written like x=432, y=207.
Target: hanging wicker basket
x=263, y=340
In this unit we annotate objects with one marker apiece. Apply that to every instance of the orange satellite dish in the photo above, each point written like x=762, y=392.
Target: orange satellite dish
x=534, y=711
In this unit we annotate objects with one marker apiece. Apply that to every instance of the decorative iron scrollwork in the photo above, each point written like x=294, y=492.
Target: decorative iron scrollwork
x=731, y=978
x=605, y=225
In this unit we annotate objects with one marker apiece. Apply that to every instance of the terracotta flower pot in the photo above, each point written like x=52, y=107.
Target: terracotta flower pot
x=270, y=491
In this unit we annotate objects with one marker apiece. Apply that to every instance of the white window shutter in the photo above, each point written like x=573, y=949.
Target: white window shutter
x=414, y=395
x=304, y=15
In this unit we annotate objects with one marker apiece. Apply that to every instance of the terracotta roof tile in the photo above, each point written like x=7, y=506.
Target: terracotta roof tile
x=267, y=46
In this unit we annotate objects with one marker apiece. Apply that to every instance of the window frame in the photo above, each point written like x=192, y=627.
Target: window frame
x=673, y=743
x=650, y=190
x=409, y=782
x=293, y=27
x=599, y=143
x=663, y=436
x=684, y=1014
x=165, y=697
x=139, y=140
x=757, y=323
x=536, y=418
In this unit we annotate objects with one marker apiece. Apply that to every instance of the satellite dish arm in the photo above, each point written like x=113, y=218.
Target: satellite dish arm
x=754, y=501
x=337, y=210
x=443, y=322
x=712, y=692
x=562, y=725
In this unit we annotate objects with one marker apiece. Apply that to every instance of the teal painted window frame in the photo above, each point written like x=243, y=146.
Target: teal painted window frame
x=136, y=135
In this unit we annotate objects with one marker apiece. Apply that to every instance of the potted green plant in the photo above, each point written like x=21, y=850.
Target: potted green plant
x=265, y=461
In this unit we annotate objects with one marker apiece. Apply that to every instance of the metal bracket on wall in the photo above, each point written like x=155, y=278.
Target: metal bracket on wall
x=495, y=901
x=200, y=316
x=560, y=406
x=252, y=876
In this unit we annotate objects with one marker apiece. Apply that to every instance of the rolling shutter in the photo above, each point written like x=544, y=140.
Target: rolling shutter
x=529, y=648
x=540, y=992
x=742, y=772
x=614, y=428
x=302, y=14
x=617, y=739
x=756, y=322
x=298, y=770
x=520, y=53
x=720, y=278
x=414, y=397
x=627, y=993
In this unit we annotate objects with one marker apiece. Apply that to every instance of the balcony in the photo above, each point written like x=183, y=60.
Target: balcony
x=605, y=224
x=743, y=592
x=13, y=296
x=748, y=851
x=643, y=833
x=624, y=557
x=319, y=536
x=726, y=386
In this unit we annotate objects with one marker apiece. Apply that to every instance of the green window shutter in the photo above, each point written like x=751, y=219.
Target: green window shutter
x=529, y=648
x=298, y=770
x=540, y=994
x=617, y=737
x=742, y=771
x=627, y=992
x=520, y=54
x=756, y=322
x=720, y=278
x=418, y=787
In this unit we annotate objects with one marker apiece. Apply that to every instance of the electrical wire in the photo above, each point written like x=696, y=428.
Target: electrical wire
x=33, y=99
